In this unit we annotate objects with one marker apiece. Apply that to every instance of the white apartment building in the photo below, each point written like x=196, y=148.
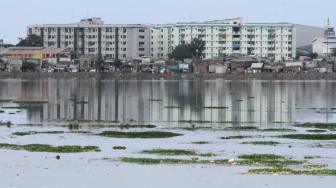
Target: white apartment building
x=227, y=37
x=93, y=37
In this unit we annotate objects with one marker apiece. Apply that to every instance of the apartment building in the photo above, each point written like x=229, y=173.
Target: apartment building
x=227, y=37
x=93, y=37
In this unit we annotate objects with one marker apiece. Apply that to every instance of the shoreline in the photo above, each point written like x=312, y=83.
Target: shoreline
x=190, y=76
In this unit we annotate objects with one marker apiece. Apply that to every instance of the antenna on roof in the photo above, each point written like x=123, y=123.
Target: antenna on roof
x=328, y=23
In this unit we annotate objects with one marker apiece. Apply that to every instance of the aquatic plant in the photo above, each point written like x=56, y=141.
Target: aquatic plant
x=119, y=148
x=170, y=152
x=177, y=152
x=278, y=130
x=30, y=102
x=317, y=125
x=270, y=143
x=128, y=126
x=50, y=149
x=267, y=160
x=287, y=171
x=235, y=137
x=216, y=107
x=316, y=131
x=172, y=161
x=36, y=132
x=242, y=128
x=201, y=142
x=310, y=136
x=149, y=134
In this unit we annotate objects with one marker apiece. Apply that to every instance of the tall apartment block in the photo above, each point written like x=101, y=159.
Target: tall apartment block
x=93, y=37
x=227, y=37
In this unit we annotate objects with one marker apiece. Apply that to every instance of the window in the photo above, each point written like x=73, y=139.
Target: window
x=91, y=43
x=141, y=36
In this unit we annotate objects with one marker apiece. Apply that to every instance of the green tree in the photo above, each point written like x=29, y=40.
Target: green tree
x=117, y=63
x=99, y=63
x=181, y=52
x=31, y=41
x=28, y=67
x=313, y=55
x=197, y=46
x=185, y=51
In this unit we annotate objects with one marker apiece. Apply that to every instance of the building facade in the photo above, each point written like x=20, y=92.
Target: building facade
x=227, y=37
x=93, y=37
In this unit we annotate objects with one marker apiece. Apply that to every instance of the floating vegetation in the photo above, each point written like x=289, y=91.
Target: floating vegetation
x=307, y=157
x=5, y=100
x=155, y=100
x=207, y=155
x=310, y=136
x=48, y=132
x=74, y=126
x=92, y=121
x=243, y=128
x=172, y=107
x=6, y=123
x=194, y=128
x=317, y=125
x=128, y=126
x=31, y=125
x=267, y=160
x=279, y=122
x=169, y=152
x=15, y=107
x=30, y=102
x=201, y=142
x=317, y=131
x=235, y=137
x=216, y=107
x=49, y=148
x=256, y=159
x=150, y=134
x=82, y=102
x=287, y=171
x=119, y=148
x=175, y=152
x=279, y=130
x=172, y=161
x=313, y=166
x=194, y=121
x=269, y=143
x=35, y=132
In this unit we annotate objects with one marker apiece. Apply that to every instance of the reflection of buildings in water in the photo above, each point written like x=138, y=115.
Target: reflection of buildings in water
x=250, y=101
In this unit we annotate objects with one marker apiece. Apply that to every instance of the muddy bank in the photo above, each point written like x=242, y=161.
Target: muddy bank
x=142, y=76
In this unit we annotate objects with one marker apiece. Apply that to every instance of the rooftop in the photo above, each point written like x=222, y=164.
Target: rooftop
x=90, y=22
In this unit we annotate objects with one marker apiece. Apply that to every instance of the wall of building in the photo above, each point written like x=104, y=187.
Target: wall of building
x=94, y=37
x=306, y=34
x=276, y=41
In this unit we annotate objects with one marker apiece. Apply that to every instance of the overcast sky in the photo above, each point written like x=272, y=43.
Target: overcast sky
x=16, y=15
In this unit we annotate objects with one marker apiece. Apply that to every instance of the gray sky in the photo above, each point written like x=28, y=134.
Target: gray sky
x=17, y=14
